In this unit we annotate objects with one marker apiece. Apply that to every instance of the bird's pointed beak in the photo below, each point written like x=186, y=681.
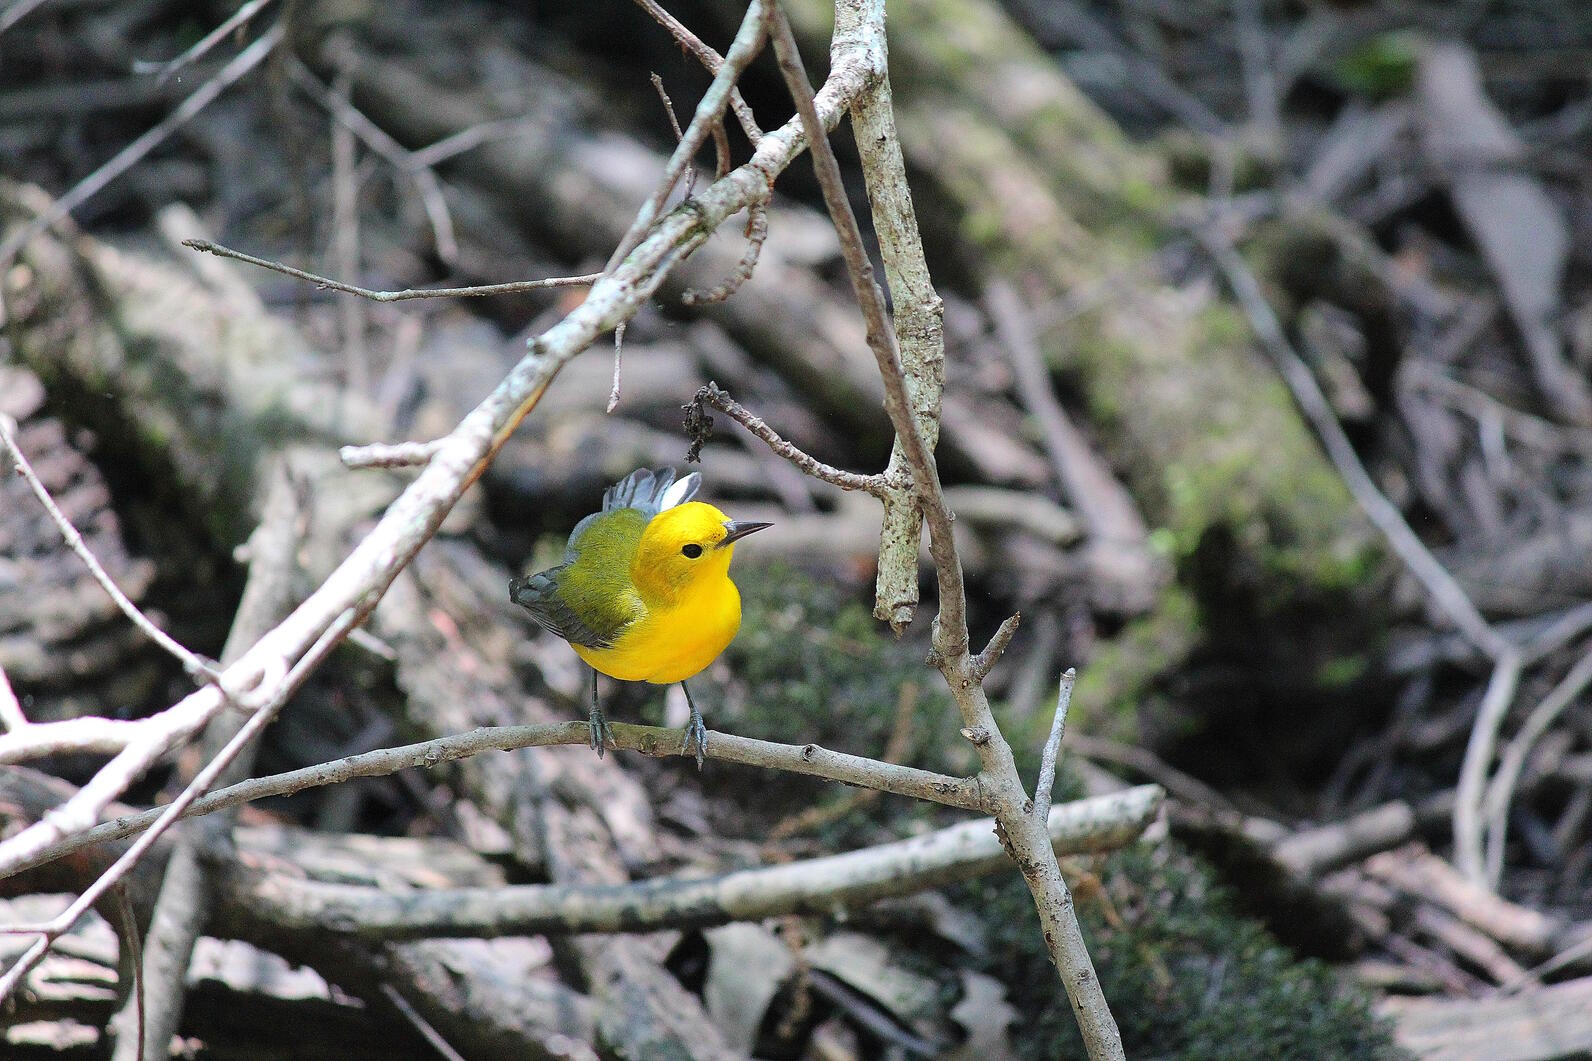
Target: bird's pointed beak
x=735, y=529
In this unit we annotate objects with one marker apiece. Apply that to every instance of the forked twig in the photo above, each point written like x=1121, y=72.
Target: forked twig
x=710, y=59
x=713, y=395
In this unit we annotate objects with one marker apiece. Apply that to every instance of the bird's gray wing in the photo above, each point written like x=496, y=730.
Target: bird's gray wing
x=539, y=595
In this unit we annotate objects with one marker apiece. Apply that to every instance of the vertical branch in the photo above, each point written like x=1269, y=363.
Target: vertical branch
x=919, y=330
x=859, y=27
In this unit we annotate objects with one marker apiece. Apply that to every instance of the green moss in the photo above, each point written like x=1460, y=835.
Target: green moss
x=816, y=667
x=1185, y=975
x=1379, y=67
x=1342, y=671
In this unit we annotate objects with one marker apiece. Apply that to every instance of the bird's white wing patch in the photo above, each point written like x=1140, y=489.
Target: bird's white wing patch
x=680, y=492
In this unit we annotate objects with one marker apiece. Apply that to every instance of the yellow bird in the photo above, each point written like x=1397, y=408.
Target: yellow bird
x=644, y=592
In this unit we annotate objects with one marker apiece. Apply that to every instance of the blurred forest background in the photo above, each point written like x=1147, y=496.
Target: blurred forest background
x=1268, y=333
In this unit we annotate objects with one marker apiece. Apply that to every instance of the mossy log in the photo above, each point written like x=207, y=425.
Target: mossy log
x=1025, y=178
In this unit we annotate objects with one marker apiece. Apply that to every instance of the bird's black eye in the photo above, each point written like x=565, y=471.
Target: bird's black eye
x=692, y=551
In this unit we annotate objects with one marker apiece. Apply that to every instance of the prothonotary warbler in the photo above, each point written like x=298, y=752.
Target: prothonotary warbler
x=644, y=592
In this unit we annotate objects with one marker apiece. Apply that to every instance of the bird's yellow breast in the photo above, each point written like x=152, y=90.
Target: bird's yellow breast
x=672, y=642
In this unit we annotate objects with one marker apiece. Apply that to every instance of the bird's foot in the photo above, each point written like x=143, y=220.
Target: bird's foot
x=601, y=735
x=696, y=735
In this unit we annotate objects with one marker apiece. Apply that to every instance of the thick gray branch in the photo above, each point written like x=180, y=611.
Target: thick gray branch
x=814, y=886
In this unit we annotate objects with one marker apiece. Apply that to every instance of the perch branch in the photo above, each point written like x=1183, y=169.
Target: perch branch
x=810, y=759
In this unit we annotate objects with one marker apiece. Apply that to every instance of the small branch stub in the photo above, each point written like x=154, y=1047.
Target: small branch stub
x=1047, y=761
x=996, y=648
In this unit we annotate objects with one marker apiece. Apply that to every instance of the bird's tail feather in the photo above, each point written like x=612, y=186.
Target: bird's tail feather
x=651, y=491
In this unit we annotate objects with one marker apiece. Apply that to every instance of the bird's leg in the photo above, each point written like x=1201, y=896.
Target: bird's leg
x=600, y=734
x=696, y=731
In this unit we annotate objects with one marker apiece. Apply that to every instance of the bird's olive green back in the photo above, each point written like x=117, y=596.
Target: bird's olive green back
x=594, y=584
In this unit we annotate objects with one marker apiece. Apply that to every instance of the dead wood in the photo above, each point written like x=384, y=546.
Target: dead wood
x=248, y=378
x=1541, y=1023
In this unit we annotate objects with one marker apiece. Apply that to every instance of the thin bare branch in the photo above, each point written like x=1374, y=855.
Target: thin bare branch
x=89, y=734
x=165, y=71
x=106, y=785
x=882, y=341
x=748, y=42
x=128, y=156
x=756, y=236
x=267, y=673
x=127, y=929
x=420, y=1024
x=1100, y=499
x=710, y=59
x=466, y=139
x=1047, y=761
x=19, y=10
x=1501, y=791
x=915, y=417
x=674, y=124
x=183, y=905
x=713, y=395
x=393, y=296
x=344, y=250
x=195, y=666
x=808, y=759
x=721, y=149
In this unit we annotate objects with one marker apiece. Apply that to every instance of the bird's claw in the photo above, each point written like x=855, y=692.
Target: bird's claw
x=601, y=736
x=696, y=735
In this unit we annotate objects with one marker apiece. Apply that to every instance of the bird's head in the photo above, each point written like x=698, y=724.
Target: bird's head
x=685, y=546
